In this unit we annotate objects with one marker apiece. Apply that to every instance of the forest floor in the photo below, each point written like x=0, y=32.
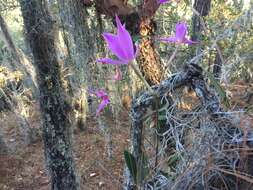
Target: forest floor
x=24, y=167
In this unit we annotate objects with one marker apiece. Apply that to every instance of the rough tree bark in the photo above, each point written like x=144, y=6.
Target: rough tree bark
x=40, y=28
x=149, y=60
x=74, y=19
x=3, y=145
x=217, y=66
x=203, y=8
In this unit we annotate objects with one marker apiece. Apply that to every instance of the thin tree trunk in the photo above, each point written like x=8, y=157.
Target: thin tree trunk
x=148, y=59
x=22, y=63
x=217, y=66
x=40, y=31
x=5, y=36
x=29, y=135
x=74, y=20
x=203, y=8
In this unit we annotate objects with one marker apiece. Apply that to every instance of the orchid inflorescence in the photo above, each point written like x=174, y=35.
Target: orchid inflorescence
x=180, y=35
x=105, y=99
x=121, y=45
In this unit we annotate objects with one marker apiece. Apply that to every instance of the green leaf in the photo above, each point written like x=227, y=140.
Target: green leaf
x=135, y=38
x=248, y=109
x=143, y=170
x=173, y=159
x=221, y=92
x=131, y=164
x=187, y=2
x=162, y=117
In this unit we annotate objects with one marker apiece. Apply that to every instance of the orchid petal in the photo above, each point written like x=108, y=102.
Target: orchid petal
x=121, y=45
x=181, y=30
x=169, y=39
x=100, y=93
x=104, y=102
x=187, y=41
x=111, y=61
x=114, y=45
x=105, y=99
x=125, y=41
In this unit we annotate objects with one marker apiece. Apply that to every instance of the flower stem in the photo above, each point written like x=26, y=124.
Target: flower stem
x=138, y=73
x=171, y=58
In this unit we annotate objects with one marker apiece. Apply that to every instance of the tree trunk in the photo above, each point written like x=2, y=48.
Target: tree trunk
x=203, y=8
x=149, y=60
x=40, y=30
x=5, y=36
x=10, y=102
x=74, y=20
x=217, y=66
x=21, y=62
x=3, y=146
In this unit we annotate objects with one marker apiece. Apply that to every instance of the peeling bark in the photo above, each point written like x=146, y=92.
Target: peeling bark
x=148, y=59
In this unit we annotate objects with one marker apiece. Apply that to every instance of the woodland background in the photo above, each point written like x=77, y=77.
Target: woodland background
x=49, y=134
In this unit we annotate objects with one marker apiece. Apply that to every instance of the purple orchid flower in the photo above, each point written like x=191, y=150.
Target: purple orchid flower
x=105, y=99
x=120, y=45
x=180, y=35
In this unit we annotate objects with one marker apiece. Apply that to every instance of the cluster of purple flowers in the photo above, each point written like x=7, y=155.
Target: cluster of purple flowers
x=121, y=45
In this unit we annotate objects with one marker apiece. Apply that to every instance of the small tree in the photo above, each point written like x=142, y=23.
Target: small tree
x=40, y=28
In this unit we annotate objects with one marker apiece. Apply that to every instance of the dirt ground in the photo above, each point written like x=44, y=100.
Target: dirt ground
x=24, y=167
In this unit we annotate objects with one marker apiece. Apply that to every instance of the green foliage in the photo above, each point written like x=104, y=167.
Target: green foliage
x=219, y=89
x=139, y=170
x=173, y=160
x=131, y=164
x=142, y=169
